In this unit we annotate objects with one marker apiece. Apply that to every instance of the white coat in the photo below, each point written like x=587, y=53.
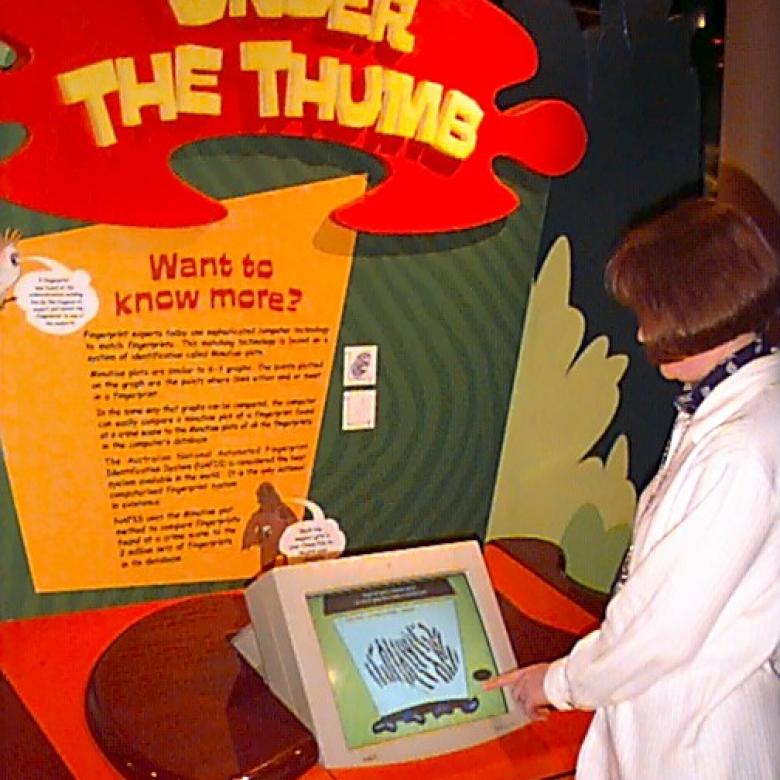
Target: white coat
x=681, y=671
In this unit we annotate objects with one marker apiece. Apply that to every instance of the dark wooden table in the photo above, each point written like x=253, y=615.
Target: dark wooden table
x=172, y=699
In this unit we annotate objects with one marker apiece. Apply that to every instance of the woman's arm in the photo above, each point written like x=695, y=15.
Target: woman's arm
x=666, y=609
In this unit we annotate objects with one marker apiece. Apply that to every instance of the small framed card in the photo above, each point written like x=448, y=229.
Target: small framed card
x=360, y=365
x=358, y=412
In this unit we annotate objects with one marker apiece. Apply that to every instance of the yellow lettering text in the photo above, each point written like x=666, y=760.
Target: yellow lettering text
x=415, y=108
x=307, y=9
x=133, y=95
x=458, y=124
x=391, y=18
x=376, y=20
x=90, y=85
x=321, y=91
x=196, y=13
x=364, y=113
x=267, y=58
x=393, y=103
x=197, y=66
x=345, y=17
x=266, y=9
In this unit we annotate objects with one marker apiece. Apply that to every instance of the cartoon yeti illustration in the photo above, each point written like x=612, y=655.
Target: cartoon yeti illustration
x=10, y=265
x=265, y=526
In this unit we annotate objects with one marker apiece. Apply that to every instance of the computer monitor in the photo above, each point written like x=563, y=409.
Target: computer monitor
x=381, y=656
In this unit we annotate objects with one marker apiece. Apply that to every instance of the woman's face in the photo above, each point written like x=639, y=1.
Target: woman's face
x=690, y=370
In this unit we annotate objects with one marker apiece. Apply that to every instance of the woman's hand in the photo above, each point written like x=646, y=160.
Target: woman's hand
x=526, y=687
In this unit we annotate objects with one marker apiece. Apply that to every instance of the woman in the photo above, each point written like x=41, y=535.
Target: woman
x=683, y=672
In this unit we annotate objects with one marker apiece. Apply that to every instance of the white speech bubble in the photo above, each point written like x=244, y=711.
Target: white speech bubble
x=56, y=301
x=307, y=540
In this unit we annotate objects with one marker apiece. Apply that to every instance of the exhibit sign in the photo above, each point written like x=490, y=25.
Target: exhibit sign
x=160, y=387
x=165, y=367
x=405, y=81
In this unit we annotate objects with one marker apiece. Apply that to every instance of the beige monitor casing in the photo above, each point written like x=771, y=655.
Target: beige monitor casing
x=292, y=663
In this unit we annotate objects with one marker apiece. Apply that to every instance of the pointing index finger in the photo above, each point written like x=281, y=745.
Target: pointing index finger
x=500, y=680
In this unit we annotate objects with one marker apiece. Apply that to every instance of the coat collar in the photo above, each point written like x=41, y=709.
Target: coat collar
x=690, y=399
x=734, y=393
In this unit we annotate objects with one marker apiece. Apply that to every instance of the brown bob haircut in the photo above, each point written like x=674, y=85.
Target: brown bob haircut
x=696, y=277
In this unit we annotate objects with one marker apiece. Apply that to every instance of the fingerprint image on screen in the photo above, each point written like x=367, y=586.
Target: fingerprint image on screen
x=405, y=657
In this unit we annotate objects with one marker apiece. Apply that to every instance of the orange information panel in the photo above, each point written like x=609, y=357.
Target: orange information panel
x=162, y=389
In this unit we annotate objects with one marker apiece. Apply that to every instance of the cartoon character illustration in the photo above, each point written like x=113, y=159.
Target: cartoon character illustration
x=266, y=525
x=10, y=265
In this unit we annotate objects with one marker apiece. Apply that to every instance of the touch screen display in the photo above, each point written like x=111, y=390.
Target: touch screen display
x=405, y=657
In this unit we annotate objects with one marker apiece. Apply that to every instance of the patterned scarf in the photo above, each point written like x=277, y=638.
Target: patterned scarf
x=692, y=396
